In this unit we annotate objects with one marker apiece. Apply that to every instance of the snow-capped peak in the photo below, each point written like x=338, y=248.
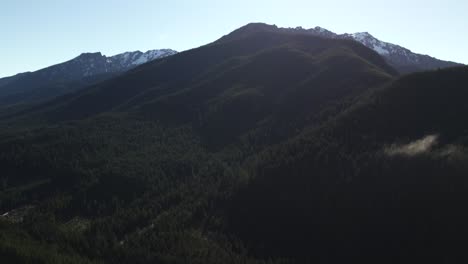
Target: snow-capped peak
x=152, y=55
x=320, y=29
x=370, y=41
x=90, y=64
x=137, y=57
x=399, y=57
x=361, y=36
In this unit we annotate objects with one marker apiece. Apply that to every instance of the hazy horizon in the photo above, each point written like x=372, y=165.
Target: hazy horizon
x=49, y=32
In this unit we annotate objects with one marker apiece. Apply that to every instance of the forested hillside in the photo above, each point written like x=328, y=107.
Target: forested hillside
x=262, y=147
x=386, y=177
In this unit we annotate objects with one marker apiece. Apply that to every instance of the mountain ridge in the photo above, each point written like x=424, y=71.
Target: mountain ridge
x=79, y=72
x=403, y=59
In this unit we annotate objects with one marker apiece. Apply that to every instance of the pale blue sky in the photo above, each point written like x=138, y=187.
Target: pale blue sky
x=38, y=33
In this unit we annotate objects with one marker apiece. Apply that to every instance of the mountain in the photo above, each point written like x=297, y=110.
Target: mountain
x=402, y=59
x=264, y=146
x=264, y=77
x=143, y=162
x=82, y=71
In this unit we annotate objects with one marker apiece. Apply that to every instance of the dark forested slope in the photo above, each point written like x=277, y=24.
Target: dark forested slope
x=261, y=147
x=383, y=181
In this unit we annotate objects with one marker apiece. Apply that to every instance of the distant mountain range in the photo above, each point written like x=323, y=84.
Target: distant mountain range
x=82, y=71
x=402, y=59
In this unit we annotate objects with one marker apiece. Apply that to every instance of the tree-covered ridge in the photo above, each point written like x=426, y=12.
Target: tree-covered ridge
x=115, y=189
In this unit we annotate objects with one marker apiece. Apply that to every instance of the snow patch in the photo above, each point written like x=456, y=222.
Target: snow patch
x=381, y=50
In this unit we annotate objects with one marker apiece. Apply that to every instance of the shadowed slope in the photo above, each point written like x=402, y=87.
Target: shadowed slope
x=362, y=188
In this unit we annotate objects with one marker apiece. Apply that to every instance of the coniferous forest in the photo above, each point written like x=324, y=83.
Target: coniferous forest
x=262, y=147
